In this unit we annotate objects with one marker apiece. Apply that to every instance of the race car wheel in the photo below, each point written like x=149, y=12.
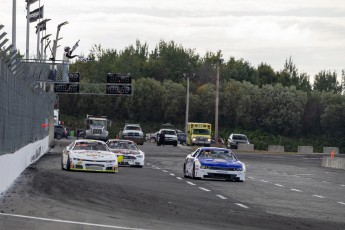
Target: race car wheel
x=193, y=174
x=68, y=164
x=175, y=144
x=62, y=164
x=184, y=171
x=58, y=136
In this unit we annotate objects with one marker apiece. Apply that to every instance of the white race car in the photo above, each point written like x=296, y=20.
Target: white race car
x=89, y=155
x=217, y=163
x=127, y=152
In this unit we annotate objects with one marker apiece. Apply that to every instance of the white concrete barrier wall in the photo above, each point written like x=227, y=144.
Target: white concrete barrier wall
x=12, y=165
x=245, y=147
x=333, y=162
x=330, y=149
x=305, y=149
x=276, y=148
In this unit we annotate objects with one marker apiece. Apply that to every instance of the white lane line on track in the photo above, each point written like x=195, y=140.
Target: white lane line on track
x=279, y=185
x=190, y=183
x=305, y=174
x=341, y=203
x=319, y=196
x=325, y=181
x=342, y=185
x=171, y=174
x=221, y=197
x=148, y=163
x=165, y=171
x=296, y=190
x=179, y=178
x=241, y=205
x=265, y=181
x=284, y=173
x=158, y=168
x=250, y=177
x=70, y=222
x=205, y=189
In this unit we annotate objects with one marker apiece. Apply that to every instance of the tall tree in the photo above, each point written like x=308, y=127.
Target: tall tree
x=326, y=81
x=266, y=75
x=239, y=70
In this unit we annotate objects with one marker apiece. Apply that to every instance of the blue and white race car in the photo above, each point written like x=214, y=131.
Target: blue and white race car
x=212, y=162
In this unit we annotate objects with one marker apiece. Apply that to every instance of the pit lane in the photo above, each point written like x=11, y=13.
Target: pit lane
x=158, y=197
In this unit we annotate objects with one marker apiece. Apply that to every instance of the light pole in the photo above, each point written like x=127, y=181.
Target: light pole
x=186, y=75
x=42, y=41
x=216, y=135
x=41, y=23
x=55, y=46
x=14, y=25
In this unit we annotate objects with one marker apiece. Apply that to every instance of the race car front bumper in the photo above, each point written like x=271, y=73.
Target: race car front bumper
x=96, y=166
x=130, y=160
x=220, y=174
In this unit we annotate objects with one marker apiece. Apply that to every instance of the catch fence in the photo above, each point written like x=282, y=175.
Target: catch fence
x=26, y=102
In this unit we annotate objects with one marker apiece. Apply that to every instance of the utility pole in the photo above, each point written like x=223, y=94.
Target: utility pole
x=187, y=104
x=216, y=135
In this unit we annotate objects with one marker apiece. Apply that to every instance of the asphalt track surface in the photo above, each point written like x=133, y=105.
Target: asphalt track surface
x=281, y=191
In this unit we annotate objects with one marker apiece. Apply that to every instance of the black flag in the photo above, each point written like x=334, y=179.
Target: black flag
x=40, y=27
x=36, y=14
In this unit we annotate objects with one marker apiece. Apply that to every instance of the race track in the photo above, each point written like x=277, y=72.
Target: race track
x=281, y=191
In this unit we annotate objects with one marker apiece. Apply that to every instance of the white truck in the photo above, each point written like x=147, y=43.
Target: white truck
x=96, y=128
x=133, y=132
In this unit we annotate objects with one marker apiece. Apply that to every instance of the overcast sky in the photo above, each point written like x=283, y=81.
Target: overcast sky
x=312, y=32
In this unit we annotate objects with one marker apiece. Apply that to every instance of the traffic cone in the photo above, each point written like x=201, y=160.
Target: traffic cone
x=332, y=153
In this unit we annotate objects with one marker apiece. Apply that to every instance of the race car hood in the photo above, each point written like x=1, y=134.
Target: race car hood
x=221, y=163
x=128, y=152
x=93, y=155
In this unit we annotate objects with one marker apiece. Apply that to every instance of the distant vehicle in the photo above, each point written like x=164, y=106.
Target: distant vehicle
x=89, y=155
x=59, y=132
x=212, y=162
x=199, y=134
x=234, y=139
x=127, y=152
x=153, y=136
x=169, y=139
x=181, y=137
x=96, y=128
x=133, y=132
x=56, y=117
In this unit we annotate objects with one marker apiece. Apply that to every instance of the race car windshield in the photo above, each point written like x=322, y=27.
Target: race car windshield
x=132, y=147
x=201, y=131
x=118, y=145
x=90, y=146
x=216, y=154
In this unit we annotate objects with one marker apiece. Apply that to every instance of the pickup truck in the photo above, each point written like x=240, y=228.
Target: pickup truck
x=133, y=132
